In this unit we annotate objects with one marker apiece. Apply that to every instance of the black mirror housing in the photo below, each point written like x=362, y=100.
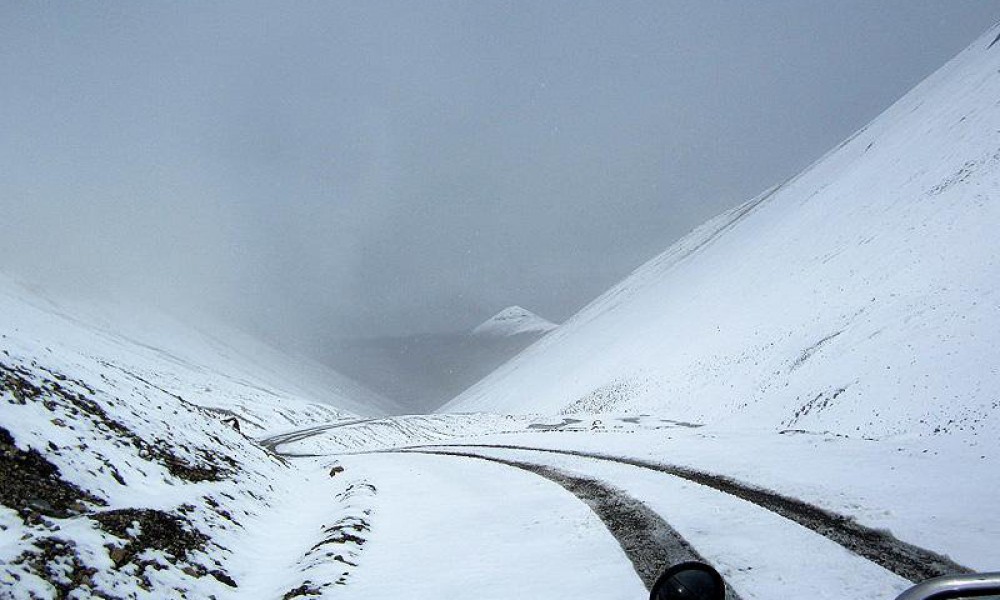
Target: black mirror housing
x=689, y=581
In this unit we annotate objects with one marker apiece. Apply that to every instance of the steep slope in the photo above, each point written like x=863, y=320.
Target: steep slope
x=218, y=368
x=121, y=474
x=859, y=297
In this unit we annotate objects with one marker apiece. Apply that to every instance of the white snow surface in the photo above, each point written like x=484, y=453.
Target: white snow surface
x=859, y=297
x=936, y=492
x=834, y=340
x=218, y=368
x=513, y=320
x=450, y=527
x=129, y=418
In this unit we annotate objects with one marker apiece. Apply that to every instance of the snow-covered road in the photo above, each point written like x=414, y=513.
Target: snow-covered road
x=274, y=442
x=904, y=559
x=761, y=554
x=509, y=519
x=448, y=527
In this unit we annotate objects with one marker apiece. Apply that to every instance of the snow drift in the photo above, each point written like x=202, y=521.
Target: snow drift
x=859, y=297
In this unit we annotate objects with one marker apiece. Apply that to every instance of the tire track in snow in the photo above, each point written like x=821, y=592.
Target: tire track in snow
x=272, y=442
x=650, y=543
x=907, y=560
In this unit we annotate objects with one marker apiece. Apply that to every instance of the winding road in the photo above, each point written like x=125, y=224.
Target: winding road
x=274, y=442
x=754, y=536
x=650, y=543
x=881, y=547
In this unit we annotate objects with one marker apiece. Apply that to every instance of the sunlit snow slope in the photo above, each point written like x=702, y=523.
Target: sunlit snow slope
x=859, y=297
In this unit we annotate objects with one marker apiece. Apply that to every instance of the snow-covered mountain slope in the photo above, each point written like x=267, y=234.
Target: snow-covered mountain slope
x=513, y=320
x=862, y=296
x=224, y=369
x=121, y=477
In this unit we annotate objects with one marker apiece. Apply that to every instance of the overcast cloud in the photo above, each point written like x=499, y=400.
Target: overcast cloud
x=321, y=169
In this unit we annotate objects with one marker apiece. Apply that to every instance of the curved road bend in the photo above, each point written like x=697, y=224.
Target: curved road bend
x=650, y=543
x=881, y=547
x=909, y=561
x=273, y=442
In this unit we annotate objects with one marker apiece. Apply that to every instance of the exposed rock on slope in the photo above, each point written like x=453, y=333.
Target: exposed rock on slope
x=118, y=476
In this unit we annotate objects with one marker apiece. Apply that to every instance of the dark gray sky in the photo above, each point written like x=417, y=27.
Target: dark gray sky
x=333, y=168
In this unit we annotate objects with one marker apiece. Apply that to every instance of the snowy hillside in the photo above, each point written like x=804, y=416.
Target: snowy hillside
x=122, y=477
x=224, y=369
x=513, y=320
x=860, y=297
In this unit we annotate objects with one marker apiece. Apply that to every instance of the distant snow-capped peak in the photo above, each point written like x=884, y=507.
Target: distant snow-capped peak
x=513, y=320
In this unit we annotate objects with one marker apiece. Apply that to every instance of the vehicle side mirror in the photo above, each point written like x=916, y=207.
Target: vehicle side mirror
x=955, y=587
x=689, y=581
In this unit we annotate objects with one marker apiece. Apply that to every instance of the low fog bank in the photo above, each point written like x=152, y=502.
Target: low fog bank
x=423, y=372
x=380, y=170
